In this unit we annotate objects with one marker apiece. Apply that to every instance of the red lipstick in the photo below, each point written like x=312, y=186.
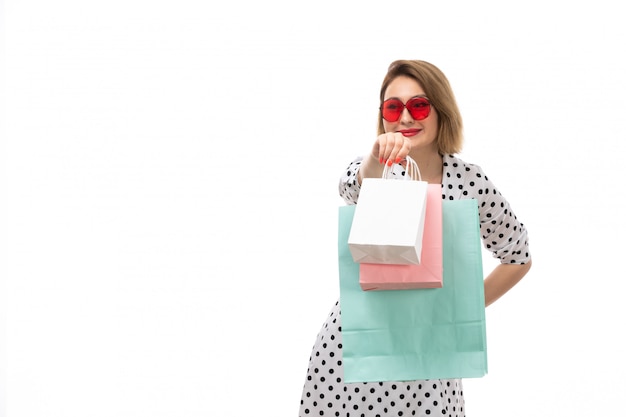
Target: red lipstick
x=409, y=132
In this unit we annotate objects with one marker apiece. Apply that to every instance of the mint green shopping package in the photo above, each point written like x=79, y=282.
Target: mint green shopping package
x=434, y=333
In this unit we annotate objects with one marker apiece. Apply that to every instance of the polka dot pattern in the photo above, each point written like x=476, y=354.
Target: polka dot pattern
x=324, y=392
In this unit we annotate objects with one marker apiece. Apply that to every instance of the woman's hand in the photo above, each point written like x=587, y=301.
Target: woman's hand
x=391, y=148
x=502, y=279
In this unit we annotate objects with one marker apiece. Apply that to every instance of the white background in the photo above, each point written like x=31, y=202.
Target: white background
x=170, y=177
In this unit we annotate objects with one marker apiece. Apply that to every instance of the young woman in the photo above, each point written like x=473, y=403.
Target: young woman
x=418, y=117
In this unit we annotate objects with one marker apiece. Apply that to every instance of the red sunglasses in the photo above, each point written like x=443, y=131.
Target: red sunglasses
x=418, y=107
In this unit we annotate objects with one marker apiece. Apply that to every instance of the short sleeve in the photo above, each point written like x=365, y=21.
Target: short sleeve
x=503, y=234
x=349, y=186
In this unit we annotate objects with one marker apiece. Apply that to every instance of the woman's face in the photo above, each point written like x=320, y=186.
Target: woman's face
x=421, y=133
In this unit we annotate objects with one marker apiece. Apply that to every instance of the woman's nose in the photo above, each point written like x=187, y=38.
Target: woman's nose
x=406, y=116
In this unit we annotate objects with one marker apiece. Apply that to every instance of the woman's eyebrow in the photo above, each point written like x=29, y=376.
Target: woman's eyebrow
x=398, y=98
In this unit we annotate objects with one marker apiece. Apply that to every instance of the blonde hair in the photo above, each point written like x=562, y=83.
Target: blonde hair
x=439, y=92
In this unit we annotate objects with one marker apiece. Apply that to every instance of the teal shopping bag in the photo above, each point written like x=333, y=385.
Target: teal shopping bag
x=435, y=333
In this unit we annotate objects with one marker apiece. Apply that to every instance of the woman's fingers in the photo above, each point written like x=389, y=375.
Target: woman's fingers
x=392, y=148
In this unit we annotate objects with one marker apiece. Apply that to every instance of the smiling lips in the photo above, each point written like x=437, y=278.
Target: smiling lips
x=409, y=132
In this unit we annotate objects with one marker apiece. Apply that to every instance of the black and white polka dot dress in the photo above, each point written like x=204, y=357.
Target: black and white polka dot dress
x=325, y=393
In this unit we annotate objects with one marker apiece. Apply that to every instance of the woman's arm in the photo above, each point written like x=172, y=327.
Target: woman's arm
x=502, y=279
x=370, y=168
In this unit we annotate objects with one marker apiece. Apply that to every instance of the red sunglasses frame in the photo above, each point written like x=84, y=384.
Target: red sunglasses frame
x=420, y=112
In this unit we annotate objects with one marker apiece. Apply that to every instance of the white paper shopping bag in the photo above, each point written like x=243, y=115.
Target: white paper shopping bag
x=388, y=223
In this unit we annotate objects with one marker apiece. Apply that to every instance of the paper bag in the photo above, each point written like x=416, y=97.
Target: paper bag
x=389, y=221
x=429, y=273
x=436, y=333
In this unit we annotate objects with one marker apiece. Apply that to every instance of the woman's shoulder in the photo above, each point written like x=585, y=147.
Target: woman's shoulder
x=454, y=162
x=455, y=167
x=462, y=179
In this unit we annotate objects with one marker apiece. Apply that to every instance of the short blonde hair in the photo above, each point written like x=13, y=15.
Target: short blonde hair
x=441, y=96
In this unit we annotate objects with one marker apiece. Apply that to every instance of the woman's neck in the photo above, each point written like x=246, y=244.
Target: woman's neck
x=430, y=165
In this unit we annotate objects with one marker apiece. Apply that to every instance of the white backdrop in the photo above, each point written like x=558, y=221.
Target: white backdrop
x=171, y=175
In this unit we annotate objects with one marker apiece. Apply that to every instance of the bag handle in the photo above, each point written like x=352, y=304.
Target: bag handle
x=411, y=169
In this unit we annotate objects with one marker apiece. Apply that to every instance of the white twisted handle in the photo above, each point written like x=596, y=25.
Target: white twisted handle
x=411, y=169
